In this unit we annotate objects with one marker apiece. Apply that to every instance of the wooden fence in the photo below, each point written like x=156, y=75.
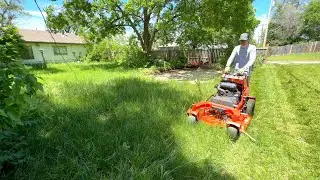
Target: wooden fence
x=195, y=57
x=295, y=48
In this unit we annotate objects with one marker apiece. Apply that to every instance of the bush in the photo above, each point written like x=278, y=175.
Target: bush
x=106, y=50
x=114, y=50
x=133, y=57
x=17, y=86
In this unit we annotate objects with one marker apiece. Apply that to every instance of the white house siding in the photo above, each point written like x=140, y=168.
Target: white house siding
x=49, y=55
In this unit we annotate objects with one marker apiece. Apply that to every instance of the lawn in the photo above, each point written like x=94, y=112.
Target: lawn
x=296, y=57
x=106, y=122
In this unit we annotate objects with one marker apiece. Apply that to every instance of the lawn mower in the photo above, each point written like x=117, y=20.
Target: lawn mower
x=230, y=107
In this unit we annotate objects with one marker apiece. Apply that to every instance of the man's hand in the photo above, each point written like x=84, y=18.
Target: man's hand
x=227, y=69
x=241, y=70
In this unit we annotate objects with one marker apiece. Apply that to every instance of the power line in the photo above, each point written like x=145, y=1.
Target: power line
x=50, y=32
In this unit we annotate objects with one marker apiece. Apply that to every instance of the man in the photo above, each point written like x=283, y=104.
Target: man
x=244, y=56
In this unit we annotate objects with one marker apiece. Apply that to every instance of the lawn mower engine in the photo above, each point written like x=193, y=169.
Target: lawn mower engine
x=230, y=107
x=228, y=94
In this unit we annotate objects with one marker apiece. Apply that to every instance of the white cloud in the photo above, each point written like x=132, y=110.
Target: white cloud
x=263, y=22
x=32, y=21
x=36, y=13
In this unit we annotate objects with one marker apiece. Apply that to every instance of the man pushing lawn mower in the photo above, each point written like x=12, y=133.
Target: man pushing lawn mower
x=244, y=56
x=231, y=106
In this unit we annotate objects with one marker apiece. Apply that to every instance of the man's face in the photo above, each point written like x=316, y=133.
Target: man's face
x=243, y=43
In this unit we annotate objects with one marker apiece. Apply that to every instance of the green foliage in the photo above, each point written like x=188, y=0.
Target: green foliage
x=96, y=20
x=133, y=57
x=210, y=22
x=107, y=50
x=11, y=150
x=294, y=21
x=311, y=17
x=114, y=50
x=9, y=10
x=286, y=24
x=17, y=86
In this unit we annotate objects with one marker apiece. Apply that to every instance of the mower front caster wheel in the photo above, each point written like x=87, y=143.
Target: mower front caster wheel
x=192, y=119
x=233, y=132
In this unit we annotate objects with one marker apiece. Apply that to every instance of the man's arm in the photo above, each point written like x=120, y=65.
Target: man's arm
x=252, y=58
x=232, y=56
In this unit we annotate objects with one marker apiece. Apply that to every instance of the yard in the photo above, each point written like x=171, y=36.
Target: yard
x=296, y=57
x=106, y=122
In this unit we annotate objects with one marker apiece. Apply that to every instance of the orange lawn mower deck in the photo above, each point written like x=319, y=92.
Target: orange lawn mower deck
x=231, y=107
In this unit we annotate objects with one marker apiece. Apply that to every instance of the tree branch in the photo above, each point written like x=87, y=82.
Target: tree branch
x=131, y=25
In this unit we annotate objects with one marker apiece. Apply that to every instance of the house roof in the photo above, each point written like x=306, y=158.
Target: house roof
x=29, y=35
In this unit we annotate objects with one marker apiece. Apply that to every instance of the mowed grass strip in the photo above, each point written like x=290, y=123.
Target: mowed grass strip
x=296, y=57
x=115, y=123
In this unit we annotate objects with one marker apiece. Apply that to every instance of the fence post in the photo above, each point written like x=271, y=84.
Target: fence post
x=310, y=49
x=266, y=54
x=315, y=46
x=290, y=49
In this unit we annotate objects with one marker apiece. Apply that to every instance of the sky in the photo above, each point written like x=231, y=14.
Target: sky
x=35, y=21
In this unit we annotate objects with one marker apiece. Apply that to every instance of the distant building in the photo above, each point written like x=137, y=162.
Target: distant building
x=40, y=47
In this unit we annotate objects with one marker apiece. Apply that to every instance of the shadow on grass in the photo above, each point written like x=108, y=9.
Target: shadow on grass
x=48, y=70
x=105, y=66
x=117, y=130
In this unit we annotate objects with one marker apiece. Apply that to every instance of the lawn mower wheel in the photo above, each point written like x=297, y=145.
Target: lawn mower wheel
x=192, y=119
x=233, y=132
x=250, y=107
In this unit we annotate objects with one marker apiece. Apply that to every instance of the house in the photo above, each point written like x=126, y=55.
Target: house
x=41, y=47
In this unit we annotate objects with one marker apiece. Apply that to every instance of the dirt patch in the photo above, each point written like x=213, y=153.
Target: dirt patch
x=187, y=75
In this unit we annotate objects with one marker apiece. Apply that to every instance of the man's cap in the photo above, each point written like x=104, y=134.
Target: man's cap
x=244, y=37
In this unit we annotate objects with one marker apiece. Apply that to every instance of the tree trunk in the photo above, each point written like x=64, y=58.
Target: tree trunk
x=146, y=34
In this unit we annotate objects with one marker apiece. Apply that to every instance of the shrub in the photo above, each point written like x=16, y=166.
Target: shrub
x=106, y=50
x=17, y=86
x=133, y=57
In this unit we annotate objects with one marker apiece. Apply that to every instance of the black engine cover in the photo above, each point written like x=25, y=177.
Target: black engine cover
x=229, y=86
x=225, y=100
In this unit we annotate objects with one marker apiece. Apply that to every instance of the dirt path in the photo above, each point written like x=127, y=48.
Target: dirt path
x=187, y=75
x=293, y=62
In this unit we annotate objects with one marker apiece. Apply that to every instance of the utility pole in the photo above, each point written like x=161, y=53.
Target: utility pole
x=268, y=19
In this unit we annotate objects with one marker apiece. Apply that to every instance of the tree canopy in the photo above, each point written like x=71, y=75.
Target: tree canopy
x=294, y=21
x=311, y=20
x=190, y=21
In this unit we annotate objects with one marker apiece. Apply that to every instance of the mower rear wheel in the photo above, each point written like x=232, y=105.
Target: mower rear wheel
x=192, y=119
x=233, y=132
x=250, y=107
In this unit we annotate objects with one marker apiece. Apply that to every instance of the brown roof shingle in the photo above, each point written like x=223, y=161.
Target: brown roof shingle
x=29, y=35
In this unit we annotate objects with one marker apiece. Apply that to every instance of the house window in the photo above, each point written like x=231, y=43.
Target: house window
x=60, y=50
x=27, y=53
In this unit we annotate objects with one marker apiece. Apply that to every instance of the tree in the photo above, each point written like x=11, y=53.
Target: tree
x=209, y=22
x=286, y=24
x=99, y=19
x=198, y=22
x=9, y=10
x=311, y=20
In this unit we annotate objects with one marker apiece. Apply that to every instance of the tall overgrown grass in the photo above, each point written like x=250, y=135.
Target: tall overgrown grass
x=104, y=122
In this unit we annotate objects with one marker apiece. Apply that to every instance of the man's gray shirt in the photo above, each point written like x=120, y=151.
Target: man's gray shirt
x=243, y=57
